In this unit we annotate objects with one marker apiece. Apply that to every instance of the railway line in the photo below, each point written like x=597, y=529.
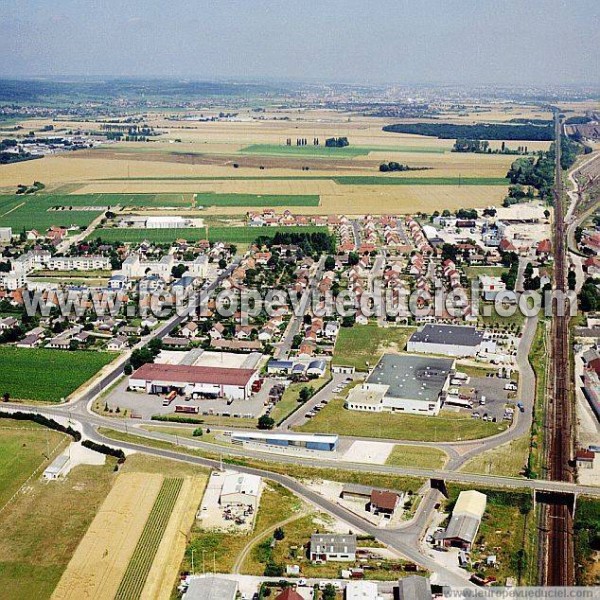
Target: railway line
x=556, y=514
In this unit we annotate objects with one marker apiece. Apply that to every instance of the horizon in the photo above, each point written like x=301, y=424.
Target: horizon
x=515, y=44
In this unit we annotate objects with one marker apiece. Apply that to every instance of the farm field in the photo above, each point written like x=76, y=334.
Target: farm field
x=102, y=557
x=140, y=563
x=40, y=531
x=355, y=346
x=233, y=235
x=23, y=447
x=334, y=418
x=32, y=212
x=47, y=375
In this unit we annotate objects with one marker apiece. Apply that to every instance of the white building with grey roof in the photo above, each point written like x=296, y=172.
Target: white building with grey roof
x=450, y=340
x=404, y=383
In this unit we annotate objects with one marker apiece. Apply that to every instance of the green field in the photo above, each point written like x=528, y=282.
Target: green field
x=355, y=346
x=307, y=151
x=424, y=457
x=447, y=427
x=382, y=179
x=47, y=375
x=23, y=445
x=256, y=200
x=135, y=576
x=232, y=235
x=32, y=212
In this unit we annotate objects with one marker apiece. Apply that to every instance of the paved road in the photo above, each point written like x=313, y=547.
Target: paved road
x=285, y=345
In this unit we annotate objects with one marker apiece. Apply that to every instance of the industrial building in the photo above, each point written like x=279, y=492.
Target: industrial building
x=207, y=382
x=335, y=547
x=240, y=489
x=465, y=520
x=450, y=340
x=362, y=590
x=317, y=441
x=413, y=587
x=58, y=467
x=404, y=383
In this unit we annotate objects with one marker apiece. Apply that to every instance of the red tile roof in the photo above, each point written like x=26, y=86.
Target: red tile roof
x=191, y=374
x=289, y=594
x=385, y=500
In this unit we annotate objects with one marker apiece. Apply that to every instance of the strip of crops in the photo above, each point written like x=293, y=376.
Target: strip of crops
x=135, y=576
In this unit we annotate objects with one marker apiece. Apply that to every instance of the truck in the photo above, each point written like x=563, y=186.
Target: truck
x=457, y=401
x=182, y=408
x=169, y=398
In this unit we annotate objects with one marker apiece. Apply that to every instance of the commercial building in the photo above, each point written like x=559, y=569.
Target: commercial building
x=240, y=489
x=465, y=520
x=317, y=441
x=208, y=587
x=211, y=382
x=335, y=547
x=451, y=340
x=134, y=266
x=405, y=383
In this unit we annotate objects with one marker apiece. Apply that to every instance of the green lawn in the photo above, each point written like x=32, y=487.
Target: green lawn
x=47, y=375
x=233, y=235
x=262, y=200
x=424, y=457
x=475, y=272
x=447, y=427
x=355, y=346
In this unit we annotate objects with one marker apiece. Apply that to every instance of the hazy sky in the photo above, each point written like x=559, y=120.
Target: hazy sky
x=455, y=41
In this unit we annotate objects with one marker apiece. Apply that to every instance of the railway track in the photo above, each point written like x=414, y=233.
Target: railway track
x=556, y=530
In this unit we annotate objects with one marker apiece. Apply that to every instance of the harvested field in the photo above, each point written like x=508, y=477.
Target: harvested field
x=102, y=557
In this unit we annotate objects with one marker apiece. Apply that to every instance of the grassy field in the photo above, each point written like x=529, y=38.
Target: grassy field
x=232, y=235
x=475, y=272
x=141, y=561
x=587, y=530
x=355, y=346
x=448, y=427
x=23, y=448
x=423, y=457
x=210, y=199
x=40, y=532
x=311, y=151
x=47, y=375
x=507, y=460
x=289, y=401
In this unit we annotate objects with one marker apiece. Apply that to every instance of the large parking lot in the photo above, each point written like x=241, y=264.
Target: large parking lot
x=496, y=398
x=144, y=405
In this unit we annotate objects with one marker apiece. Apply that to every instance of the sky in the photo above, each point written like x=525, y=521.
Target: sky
x=519, y=42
